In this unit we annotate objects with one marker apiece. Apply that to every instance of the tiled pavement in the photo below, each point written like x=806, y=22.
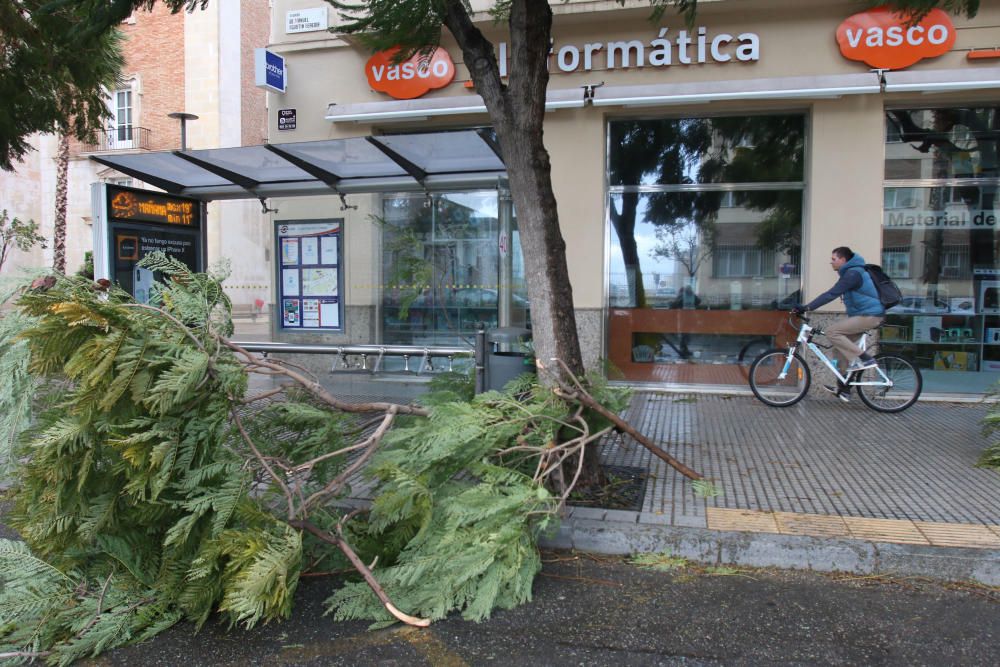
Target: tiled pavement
x=822, y=485
x=820, y=457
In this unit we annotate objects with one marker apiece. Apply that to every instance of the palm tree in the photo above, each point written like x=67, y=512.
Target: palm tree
x=59, y=222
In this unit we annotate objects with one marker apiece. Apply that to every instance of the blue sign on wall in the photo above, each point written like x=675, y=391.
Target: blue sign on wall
x=270, y=71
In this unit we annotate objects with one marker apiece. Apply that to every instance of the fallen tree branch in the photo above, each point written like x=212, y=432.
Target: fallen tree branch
x=260, y=457
x=317, y=390
x=339, y=542
x=371, y=443
x=580, y=394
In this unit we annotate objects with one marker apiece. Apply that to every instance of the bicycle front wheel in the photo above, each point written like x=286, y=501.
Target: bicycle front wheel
x=779, y=380
x=894, y=385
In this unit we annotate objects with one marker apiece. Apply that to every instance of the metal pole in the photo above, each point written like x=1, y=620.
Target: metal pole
x=183, y=117
x=505, y=293
x=480, y=355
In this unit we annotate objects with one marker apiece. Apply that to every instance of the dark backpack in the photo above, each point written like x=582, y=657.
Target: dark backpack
x=888, y=292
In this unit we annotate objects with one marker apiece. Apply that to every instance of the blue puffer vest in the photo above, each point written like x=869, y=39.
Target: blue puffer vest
x=864, y=300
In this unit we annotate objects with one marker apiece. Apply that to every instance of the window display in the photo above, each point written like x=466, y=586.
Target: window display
x=940, y=222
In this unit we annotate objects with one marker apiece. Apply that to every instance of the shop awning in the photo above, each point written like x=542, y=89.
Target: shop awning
x=814, y=87
x=395, y=163
x=942, y=81
x=600, y=95
x=451, y=105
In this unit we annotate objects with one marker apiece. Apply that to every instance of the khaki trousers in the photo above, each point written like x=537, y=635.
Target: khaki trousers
x=844, y=335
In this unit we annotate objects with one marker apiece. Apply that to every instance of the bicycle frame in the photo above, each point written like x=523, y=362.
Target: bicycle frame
x=805, y=337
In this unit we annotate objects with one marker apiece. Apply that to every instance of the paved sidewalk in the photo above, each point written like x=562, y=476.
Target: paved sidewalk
x=821, y=485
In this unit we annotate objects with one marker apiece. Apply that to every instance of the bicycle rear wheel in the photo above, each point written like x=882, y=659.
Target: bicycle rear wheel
x=779, y=381
x=898, y=393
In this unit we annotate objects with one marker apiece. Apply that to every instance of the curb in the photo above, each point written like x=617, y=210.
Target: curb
x=612, y=535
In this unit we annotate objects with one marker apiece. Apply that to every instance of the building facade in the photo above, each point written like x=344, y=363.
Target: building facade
x=199, y=63
x=703, y=175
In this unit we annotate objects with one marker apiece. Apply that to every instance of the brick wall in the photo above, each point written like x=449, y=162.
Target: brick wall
x=154, y=51
x=153, y=47
x=255, y=28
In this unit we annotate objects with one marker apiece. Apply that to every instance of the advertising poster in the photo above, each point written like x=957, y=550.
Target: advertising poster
x=310, y=274
x=290, y=312
x=310, y=313
x=310, y=250
x=290, y=282
x=289, y=251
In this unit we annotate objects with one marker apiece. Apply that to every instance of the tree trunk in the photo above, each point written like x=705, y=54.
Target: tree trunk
x=517, y=111
x=62, y=200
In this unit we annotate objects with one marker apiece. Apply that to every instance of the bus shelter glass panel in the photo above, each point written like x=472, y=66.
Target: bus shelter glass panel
x=705, y=220
x=441, y=260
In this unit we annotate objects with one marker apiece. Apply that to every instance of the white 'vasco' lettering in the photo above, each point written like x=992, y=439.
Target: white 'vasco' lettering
x=409, y=70
x=685, y=49
x=897, y=35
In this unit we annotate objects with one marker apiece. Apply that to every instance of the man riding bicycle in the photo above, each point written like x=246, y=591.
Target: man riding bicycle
x=864, y=312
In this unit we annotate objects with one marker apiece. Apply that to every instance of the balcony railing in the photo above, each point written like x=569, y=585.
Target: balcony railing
x=119, y=139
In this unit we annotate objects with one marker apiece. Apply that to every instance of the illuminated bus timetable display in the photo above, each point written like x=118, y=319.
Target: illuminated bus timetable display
x=130, y=205
x=140, y=222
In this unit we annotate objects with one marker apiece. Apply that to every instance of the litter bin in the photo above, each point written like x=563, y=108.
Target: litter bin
x=505, y=356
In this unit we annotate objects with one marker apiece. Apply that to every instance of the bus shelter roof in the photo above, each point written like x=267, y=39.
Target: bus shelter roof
x=432, y=161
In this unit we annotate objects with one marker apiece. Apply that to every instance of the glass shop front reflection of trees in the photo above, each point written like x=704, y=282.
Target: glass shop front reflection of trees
x=706, y=214
x=703, y=203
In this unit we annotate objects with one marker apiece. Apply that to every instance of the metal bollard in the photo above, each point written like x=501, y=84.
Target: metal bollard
x=480, y=356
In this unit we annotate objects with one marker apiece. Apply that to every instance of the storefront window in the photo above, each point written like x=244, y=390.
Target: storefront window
x=944, y=162
x=943, y=248
x=441, y=268
x=706, y=225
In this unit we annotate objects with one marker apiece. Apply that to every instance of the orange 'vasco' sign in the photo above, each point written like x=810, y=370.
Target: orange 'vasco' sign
x=885, y=39
x=410, y=78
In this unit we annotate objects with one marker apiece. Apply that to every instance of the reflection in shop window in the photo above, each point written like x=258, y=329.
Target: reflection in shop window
x=951, y=284
x=744, y=261
x=896, y=262
x=705, y=217
x=900, y=198
x=954, y=261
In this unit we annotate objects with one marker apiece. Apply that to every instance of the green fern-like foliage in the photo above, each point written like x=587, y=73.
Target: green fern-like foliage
x=144, y=495
x=17, y=391
x=132, y=493
x=467, y=518
x=990, y=458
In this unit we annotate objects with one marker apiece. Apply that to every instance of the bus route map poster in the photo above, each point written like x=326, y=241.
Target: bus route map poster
x=309, y=275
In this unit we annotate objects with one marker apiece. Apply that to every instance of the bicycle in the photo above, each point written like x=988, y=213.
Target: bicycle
x=780, y=377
